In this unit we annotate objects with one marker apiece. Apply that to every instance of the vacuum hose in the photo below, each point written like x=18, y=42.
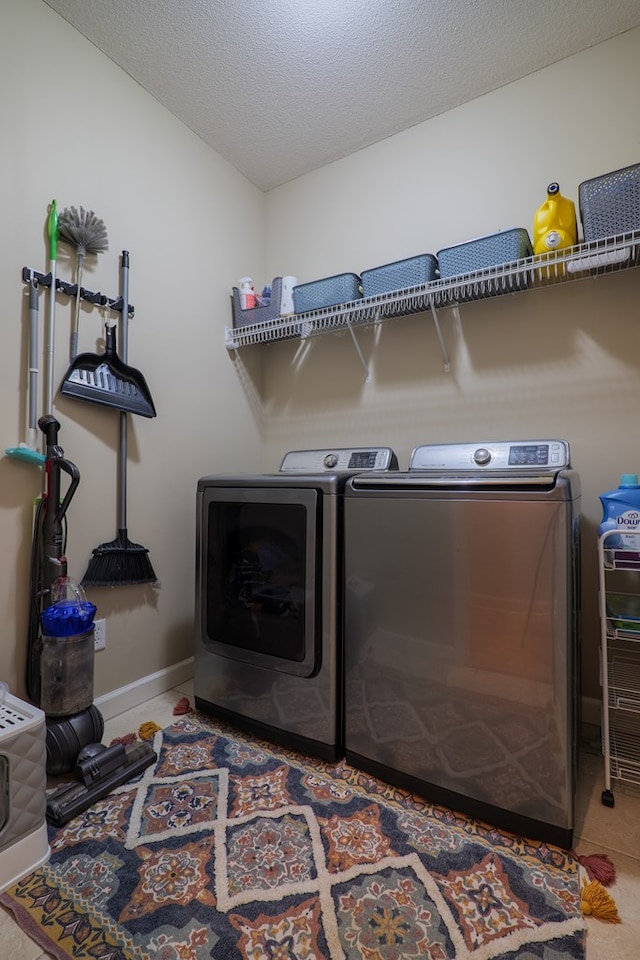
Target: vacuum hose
x=54, y=563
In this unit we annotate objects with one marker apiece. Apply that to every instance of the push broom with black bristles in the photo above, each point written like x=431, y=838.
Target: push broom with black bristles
x=88, y=234
x=121, y=562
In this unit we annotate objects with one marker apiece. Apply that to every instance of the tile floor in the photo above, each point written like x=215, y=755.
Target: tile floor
x=598, y=830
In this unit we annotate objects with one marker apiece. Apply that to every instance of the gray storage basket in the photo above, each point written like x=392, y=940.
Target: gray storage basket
x=610, y=204
x=399, y=275
x=494, y=250
x=242, y=318
x=328, y=292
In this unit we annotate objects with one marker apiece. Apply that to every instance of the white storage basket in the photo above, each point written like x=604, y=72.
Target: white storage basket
x=23, y=781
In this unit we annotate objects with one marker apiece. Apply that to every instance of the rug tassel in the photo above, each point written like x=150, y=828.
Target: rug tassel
x=147, y=730
x=598, y=867
x=182, y=706
x=596, y=902
x=125, y=740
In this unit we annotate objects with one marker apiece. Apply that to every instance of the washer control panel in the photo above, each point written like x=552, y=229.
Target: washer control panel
x=502, y=455
x=352, y=459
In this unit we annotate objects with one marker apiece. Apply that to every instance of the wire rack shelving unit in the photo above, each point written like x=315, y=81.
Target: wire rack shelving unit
x=619, y=659
x=585, y=260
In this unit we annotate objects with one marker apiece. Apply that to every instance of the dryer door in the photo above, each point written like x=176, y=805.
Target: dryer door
x=258, y=576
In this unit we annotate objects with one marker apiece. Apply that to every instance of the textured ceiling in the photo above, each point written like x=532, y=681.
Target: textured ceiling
x=281, y=87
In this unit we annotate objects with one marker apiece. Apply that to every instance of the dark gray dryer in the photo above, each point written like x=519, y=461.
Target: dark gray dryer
x=269, y=597
x=461, y=618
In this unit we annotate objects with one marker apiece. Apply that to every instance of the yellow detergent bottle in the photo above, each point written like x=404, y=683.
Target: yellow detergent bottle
x=554, y=225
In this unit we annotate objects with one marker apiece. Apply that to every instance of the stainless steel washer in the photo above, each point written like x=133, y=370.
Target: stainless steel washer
x=269, y=597
x=461, y=619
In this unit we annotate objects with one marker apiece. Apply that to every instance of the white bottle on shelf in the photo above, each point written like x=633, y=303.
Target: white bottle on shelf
x=247, y=293
x=286, y=302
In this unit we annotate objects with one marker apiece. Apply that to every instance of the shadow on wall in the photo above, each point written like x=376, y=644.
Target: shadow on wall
x=528, y=333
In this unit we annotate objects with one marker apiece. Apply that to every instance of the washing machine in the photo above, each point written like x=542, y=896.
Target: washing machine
x=269, y=597
x=461, y=630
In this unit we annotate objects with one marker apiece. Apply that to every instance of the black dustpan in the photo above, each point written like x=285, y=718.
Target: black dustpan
x=104, y=378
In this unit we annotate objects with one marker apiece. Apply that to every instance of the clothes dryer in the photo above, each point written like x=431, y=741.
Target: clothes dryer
x=269, y=597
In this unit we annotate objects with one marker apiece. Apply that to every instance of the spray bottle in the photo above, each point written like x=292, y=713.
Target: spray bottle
x=554, y=225
x=621, y=512
x=247, y=293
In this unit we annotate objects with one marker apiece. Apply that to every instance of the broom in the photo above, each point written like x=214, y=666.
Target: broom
x=88, y=234
x=121, y=562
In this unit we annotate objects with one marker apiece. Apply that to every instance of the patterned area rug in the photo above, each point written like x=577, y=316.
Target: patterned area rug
x=232, y=849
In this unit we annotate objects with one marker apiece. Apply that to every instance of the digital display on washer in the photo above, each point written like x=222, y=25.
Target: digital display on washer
x=529, y=455
x=362, y=460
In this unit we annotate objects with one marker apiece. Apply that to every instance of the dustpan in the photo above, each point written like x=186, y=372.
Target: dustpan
x=104, y=378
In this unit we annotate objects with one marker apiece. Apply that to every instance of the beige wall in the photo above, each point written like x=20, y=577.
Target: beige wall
x=561, y=361
x=76, y=128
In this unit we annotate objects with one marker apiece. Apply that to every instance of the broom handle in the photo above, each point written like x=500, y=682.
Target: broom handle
x=124, y=337
x=122, y=473
x=124, y=343
x=52, y=233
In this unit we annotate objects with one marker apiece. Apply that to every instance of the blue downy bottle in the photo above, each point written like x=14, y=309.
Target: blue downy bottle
x=621, y=512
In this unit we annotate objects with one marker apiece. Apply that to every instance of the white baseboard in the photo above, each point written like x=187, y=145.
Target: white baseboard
x=124, y=698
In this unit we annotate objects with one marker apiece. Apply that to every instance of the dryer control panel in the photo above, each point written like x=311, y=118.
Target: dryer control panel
x=339, y=460
x=503, y=455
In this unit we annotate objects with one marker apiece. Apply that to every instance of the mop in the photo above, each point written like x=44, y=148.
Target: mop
x=88, y=234
x=26, y=451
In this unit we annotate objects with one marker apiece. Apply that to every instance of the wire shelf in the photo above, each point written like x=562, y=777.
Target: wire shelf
x=622, y=558
x=624, y=677
x=624, y=743
x=593, y=259
x=616, y=633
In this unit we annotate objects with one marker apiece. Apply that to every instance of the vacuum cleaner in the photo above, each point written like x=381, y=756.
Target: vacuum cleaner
x=99, y=770
x=60, y=654
x=61, y=658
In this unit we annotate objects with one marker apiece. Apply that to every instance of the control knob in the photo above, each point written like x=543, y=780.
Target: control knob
x=482, y=456
x=330, y=460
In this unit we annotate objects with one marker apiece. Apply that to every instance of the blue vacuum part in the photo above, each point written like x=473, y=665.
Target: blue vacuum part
x=66, y=618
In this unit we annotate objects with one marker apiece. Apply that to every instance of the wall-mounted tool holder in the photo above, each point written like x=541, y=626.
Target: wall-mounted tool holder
x=71, y=290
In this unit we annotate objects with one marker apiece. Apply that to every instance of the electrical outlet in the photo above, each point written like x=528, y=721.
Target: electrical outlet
x=99, y=634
